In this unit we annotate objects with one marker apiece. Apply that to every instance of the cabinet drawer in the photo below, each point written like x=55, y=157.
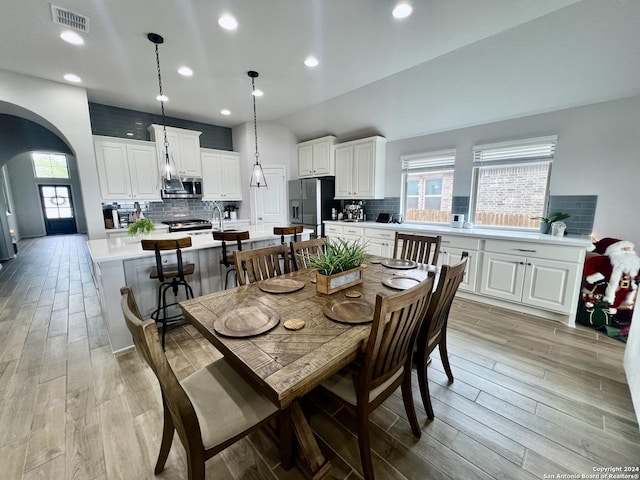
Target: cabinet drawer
x=535, y=250
x=382, y=234
x=328, y=228
x=352, y=231
x=464, y=243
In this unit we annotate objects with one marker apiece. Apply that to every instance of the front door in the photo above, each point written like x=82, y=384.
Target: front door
x=269, y=204
x=57, y=207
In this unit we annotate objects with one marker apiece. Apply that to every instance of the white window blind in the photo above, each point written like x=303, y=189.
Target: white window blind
x=439, y=159
x=532, y=149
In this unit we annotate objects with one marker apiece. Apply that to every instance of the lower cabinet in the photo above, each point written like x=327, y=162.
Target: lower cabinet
x=542, y=283
x=380, y=242
x=451, y=249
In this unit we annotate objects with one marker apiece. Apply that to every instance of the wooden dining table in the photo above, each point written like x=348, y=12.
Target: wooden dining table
x=287, y=364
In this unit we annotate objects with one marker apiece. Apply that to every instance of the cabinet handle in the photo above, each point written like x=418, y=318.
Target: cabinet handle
x=525, y=250
x=528, y=264
x=444, y=241
x=521, y=263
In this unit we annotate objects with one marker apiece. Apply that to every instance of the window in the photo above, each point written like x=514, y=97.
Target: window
x=511, y=182
x=428, y=186
x=49, y=165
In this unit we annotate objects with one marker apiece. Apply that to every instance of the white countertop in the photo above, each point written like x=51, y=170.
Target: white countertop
x=484, y=233
x=161, y=226
x=125, y=248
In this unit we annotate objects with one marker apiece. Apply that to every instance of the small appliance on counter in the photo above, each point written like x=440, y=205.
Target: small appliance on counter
x=457, y=220
x=396, y=218
x=111, y=217
x=354, y=212
x=383, y=218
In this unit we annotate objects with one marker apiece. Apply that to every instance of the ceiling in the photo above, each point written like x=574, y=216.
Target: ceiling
x=453, y=63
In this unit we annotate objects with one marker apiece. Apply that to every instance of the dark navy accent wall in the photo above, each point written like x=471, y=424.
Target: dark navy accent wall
x=117, y=122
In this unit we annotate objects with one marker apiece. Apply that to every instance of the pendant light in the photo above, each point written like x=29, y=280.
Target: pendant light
x=257, y=175
x=169, y=178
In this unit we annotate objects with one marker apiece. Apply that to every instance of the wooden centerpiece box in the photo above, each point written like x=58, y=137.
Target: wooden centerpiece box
x=339, y=265
x=329, y=284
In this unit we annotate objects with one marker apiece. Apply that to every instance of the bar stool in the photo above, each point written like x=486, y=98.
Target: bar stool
x=282, y=231
x=229, y=261
x=170, y=276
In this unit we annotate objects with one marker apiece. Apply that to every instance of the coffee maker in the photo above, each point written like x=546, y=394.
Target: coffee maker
x=354, y=212
x=111, y=217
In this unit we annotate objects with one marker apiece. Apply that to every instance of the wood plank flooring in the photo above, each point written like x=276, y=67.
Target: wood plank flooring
x=530, y=398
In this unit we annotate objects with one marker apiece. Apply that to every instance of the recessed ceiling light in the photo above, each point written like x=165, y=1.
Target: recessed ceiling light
x=311, y=61
x=162, y=98
x=224, y=111
x=228, y=22
x=72, y=77
x=185, y=71
x=402, y=10
x=258, y=93
x=72, y=37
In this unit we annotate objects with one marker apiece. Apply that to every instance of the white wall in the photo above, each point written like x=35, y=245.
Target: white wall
x=64, y=110
x=598, y=153
x=276, y=145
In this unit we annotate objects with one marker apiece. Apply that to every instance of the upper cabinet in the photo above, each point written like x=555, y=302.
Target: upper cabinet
x=221, y=175
x=360, y=168
x=184, y=148
x=127, y=169
x=315, y=157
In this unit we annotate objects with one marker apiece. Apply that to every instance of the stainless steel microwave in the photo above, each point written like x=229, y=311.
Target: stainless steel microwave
x=191, y=188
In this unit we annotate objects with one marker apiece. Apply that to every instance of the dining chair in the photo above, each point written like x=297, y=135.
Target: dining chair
x=210, y=409
x=385, y=364
x=300, y=251
x=227, y=258
x=433, y=331
x=262, y=263
x=419, y=248
x=171, y=276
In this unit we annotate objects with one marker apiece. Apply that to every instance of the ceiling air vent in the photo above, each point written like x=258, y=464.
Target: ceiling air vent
x=70, y=19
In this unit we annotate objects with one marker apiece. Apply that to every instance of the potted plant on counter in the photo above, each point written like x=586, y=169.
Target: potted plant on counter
x=340, y=266
x=141, y=227
x=545, y=222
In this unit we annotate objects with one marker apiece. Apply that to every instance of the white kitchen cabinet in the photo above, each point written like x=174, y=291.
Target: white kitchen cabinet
x=221, y=175
x=547, y=283
x=127, y=169
x=451, y=248
x=380, y=242
x=360, y=168
x=345, y=232
x=184, y=148
x=316, y=157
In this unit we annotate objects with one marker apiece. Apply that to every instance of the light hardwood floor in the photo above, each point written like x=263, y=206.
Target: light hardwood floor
x=531, y=397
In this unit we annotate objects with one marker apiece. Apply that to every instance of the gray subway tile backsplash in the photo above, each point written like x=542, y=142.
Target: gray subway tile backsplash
x=120, y=122
x=582, y=209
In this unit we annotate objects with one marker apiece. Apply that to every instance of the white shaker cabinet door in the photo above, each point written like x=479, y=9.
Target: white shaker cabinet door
x=502, y=276
x=305, y=161
x=363, y=170
x=232, y=187
x=550, y=284
x=322, y=159
x=143, y=170
x=113, y=170
x=190, y=155
x=344, y=173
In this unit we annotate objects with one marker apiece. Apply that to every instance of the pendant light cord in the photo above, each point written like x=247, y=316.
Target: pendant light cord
x=255, y=118
x=164, y=123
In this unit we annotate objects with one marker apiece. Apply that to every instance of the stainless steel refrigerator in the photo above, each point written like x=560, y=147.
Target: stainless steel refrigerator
x=310, y=202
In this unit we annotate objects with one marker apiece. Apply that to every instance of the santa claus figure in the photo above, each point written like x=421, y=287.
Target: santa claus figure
x=620, y=272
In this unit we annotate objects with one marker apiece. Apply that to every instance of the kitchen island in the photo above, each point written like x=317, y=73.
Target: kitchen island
x=120, y=261
x=527, y=272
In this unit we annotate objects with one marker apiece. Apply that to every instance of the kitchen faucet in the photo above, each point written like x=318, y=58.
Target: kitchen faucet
x=217, y=207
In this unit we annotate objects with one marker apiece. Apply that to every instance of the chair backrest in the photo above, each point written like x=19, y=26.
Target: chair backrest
x=293, y=230
x=261, y=263
x=159, y=245
x=419, y=248
x=146, y=339
x=300, y=251
x=396, y=322
x=435, y=322
x=225, y=237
